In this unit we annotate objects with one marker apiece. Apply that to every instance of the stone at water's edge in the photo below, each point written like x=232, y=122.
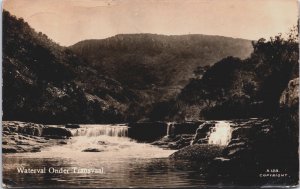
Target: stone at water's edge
x=147, y=131
x=185, y=134
x=202, y=132
x=174, y=142
x=72, y=126
x=30, y=137
x=188, y=127
x=56, y=132
x=92, y=150
x=260, y=144
x=177, y=135
x=238, y=159
x=152, y=131
x=255, y=146
x=33, y=129
x=198, y=152
x=290, y=95
x=8, y=149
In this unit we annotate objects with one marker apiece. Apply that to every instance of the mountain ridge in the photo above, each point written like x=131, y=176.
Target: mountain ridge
x=159, y=57
x=156, y=34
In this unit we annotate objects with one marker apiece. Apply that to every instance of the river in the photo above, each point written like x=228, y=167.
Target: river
x=119, y=161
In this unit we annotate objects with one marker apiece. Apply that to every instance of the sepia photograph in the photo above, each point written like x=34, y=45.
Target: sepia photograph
x=150, y=93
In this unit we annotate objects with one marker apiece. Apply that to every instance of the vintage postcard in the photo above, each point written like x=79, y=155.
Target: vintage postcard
x=150, y=93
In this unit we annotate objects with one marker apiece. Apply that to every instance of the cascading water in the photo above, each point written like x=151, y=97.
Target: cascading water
x=221, y=134
x=109, y=141
x=106, y=130
x=169, y=128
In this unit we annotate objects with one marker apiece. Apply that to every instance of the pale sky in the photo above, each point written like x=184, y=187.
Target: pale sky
x=70, y=21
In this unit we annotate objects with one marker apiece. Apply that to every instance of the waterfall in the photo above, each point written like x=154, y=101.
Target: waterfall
x=111, y=140
x=221, y=134
x=106, y=130
x=169, y=127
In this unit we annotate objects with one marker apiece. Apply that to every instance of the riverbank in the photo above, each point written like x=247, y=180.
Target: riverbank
x=21, y=137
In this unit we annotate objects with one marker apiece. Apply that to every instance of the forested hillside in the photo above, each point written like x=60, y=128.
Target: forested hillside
x=45, y=82
x=157, y=67
x=143, y=61
x=235, y=88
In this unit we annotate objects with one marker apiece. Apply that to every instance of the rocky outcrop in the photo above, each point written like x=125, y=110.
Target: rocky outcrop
x=72, y=126
x=202, y=132
x=245, y=136
x=56, y=132
x=180, y=135
x=261, y=144
x=30, y=137
x=256, y=145
x=174, y=142
x=177, y=135
x=36, y=129
x=147, y=131
x=290, y=96
x=152, y=131
x=188, y=127
x=199, y=152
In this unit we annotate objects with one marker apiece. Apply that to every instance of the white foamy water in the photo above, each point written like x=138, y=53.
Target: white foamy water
x=106, y=130
x=110, y=140
x=169, y=128
x=221, y=134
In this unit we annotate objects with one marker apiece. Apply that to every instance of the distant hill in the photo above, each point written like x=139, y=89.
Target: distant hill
x=157, y=67
x=44, y=82
x=143, y=61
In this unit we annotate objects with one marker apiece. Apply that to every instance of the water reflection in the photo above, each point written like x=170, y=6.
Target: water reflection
x=159, y=172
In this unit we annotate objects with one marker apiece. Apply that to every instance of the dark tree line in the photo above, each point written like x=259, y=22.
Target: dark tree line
x=235, y=88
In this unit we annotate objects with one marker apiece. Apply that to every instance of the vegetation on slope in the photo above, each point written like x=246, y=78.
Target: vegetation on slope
x=235, y=88
x=44, y=82
x=157, y=67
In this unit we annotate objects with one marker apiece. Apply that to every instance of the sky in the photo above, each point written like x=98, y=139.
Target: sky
x=70, y=21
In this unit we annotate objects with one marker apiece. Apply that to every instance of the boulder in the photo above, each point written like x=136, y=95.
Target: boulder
x=30, y=129
x=102, y=142
x=188, y=127
x=241, y=132
x=152, y=131
x=35, y=149
x=175, y=142
x=147, y=131
x=56, y=132
x=21, y=142
x=202, y=132
x=30, y=137
x=62, y=142
x=9, y=149
x=198, y=152
x=92, y=150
